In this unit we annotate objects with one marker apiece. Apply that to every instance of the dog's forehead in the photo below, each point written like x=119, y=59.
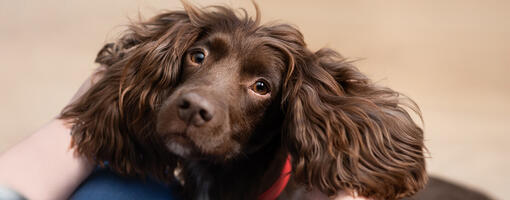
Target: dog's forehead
x=249, y=49
x=233, y=42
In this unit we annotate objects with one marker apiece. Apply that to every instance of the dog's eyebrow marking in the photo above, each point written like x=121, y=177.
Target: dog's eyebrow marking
x=256, y=66
x=218, y=47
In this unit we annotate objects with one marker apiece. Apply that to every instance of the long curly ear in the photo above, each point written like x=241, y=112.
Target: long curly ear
x=114, y=120
x=345, y=133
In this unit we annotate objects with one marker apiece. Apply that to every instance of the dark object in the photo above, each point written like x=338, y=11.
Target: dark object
x=226, y=100
x=440, y=189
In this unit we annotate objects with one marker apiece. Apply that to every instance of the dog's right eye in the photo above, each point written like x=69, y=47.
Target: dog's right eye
x=197, y=57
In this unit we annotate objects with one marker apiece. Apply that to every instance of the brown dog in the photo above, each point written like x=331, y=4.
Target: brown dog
x=228, y=101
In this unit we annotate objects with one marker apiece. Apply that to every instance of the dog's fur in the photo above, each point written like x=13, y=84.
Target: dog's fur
x=157, y=108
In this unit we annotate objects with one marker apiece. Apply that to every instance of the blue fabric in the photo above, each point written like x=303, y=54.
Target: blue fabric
x=104, y=184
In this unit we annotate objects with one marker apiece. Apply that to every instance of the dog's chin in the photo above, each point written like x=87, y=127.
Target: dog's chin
x=185, y=148
x=181, y=146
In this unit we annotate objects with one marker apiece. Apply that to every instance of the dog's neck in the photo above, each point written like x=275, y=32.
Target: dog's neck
x=243, y=178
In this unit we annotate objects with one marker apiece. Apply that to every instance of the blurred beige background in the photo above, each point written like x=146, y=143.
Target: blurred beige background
x=451, y=56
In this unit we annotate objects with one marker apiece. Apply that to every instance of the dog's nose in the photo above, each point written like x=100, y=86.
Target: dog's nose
x=195, y=109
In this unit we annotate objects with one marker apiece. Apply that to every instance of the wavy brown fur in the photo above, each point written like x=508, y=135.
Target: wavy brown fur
x=342, y=131
x=346, y=132
x=114, y=121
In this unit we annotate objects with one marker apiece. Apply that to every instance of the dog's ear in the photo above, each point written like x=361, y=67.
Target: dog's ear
x=114, y=121
x=345, y=133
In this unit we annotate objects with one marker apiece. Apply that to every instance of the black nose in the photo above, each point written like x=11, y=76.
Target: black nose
x=195, y=109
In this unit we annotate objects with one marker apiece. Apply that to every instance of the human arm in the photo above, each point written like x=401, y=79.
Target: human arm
x=44, y=166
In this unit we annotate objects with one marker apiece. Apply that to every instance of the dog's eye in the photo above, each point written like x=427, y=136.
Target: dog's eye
x=197, y=57
x=260, y=87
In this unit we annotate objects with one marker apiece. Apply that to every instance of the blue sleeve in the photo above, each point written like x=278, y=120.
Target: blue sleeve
x=104, y=184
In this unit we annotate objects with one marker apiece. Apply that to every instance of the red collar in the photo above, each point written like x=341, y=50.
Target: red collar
x=277, y=188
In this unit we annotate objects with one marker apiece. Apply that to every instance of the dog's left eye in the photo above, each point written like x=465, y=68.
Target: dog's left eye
x=197, y=57
x=260, y=87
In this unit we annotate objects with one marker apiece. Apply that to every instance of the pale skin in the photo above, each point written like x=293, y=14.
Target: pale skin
x=43, y=166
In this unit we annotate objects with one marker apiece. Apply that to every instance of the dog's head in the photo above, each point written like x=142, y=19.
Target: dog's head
x=208, y=84
x=230, y=76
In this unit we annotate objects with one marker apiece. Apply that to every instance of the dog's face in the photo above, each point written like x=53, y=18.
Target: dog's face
x=228, y=82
